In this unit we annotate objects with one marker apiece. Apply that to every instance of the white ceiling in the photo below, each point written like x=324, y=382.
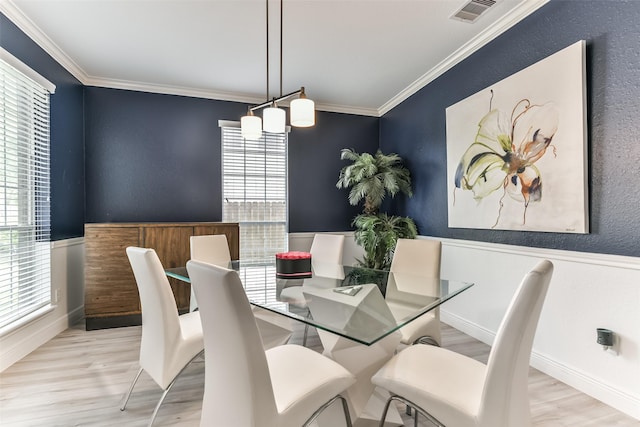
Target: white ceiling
x=356, y=56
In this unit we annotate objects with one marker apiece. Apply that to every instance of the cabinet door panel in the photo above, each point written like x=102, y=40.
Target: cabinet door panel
x=172, y=246
x=110, y=287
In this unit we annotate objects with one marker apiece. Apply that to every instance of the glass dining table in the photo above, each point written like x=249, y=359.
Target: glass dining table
x=357, y=313
x=354, y=302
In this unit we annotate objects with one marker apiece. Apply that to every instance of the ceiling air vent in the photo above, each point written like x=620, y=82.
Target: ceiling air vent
x=472, y=10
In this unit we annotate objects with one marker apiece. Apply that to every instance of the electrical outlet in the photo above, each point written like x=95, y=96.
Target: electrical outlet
x=606, y=338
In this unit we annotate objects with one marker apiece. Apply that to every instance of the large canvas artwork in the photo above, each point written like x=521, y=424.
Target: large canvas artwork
x=516, y=151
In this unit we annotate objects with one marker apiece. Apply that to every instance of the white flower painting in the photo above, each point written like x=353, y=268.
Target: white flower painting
x=516, y=151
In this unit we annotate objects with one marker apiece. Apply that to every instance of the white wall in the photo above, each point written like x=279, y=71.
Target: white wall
x=67, y=276
x=587, y=291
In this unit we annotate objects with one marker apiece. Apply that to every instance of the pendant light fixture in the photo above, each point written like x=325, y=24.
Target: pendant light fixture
x=274, y=119
x=251, y=126
x=302, y=109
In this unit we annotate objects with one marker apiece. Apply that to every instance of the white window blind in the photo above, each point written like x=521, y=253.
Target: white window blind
x=25, y=278
x=255, y=191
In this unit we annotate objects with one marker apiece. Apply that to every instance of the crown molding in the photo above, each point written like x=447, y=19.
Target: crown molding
x=27, y=26
x=516, y=15
x=216, y=95
x=171, y=90
x=347, y=109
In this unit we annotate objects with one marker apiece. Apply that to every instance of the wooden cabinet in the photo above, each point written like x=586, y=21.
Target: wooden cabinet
x=111, y=294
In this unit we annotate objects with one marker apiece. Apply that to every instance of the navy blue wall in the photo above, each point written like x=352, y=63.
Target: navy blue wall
x=152, y=157
x=315, y=204
x=416, y=128
x=66, y=132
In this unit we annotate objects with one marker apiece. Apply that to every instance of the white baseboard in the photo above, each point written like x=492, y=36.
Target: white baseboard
x=75, y=316
x=44, y=330
x=613, y=397
x=469, y=328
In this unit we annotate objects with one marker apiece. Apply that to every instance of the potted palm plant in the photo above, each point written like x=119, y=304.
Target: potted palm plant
x=371, y=178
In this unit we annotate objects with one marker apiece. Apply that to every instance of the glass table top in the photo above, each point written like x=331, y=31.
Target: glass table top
x=360, y=304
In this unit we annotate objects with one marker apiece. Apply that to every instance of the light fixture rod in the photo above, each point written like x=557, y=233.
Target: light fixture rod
x=281, y=15
x=283, y=97
x=267, y=26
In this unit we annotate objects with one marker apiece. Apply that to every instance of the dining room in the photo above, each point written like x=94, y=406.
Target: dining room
x=150, y=149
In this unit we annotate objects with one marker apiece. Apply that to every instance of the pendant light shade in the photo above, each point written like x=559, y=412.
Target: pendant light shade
x=274, y=119
x=302, y=111
x=251, y=126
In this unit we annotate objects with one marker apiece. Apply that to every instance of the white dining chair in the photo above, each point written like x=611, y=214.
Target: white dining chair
x=326, y=258
x=246, y=386
x=455, y=390
x=326, y=266
x=214, y=249
x=169, y=341
x=211, y=248
x=415, y=271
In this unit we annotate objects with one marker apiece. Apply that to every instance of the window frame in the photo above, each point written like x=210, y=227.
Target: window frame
x=25, y=218
x=282, y=139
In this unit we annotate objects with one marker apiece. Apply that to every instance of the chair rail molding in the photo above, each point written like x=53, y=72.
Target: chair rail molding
x=618, y=261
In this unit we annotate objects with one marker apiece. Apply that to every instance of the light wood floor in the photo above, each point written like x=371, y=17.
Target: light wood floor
x=79, y=377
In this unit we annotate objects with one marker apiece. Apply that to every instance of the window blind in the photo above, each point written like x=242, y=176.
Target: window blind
x=255, y=191
x=25, y=278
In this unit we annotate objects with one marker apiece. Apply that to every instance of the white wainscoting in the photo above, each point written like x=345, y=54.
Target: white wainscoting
x=588, y=291
x=67, y=278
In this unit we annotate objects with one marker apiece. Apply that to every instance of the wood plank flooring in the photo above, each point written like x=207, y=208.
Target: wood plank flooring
x=79, y=377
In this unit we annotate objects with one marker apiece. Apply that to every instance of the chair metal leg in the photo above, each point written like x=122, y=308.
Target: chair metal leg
x=306, y=329
x=415, y=415
x=164, y=394
x=427, y=340
x=304, y=338
x=126, y=397
x=345, y=408
x=415, y=407
x=385, y=410
x=157, y=408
